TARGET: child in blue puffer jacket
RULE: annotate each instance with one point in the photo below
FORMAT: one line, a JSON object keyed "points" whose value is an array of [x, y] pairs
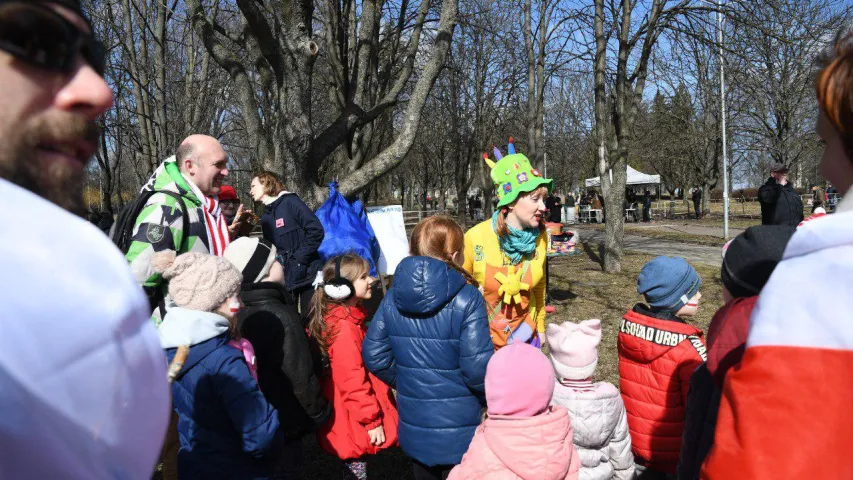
{"points": [[430, 340], [227, 428]]}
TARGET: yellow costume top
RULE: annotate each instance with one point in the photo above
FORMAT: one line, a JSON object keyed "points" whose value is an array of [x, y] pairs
{"points": [[513, 293]]}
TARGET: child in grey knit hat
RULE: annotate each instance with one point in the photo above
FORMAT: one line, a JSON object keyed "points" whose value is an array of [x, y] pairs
{"points": [[216, 397]]}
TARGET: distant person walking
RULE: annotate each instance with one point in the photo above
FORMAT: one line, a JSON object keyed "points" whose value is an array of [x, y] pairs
{"points": [[697, 202], [555, 207], [569, 207], [831, 196], [780, 204], [647, 206], [818, 198]]}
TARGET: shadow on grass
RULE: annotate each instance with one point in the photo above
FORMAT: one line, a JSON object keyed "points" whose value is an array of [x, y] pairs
{"points": [[562, 295], [594, 254]]}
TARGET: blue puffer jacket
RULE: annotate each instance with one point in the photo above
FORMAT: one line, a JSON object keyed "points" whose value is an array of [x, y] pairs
{"points": [[227, 428], [430, 340]]}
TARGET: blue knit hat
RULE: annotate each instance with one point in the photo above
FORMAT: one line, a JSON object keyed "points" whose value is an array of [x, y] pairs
{"points": [[668, 283]]}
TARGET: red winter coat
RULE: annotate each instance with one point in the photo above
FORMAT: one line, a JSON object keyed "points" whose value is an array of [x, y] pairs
{"points": [[656, 359], [361, 401], [727, 337]]}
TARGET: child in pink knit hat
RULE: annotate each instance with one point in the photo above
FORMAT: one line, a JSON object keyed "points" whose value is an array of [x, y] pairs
{"points": [[596, 409], [227, 429], [523, 436]]}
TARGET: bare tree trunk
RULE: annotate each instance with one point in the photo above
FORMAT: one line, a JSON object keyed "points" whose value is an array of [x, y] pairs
{"points": [[599, 69], [536, 53], [627, 93]]}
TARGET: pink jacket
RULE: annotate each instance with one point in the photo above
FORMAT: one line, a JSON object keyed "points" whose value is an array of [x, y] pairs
{"points": [[510, 448]]}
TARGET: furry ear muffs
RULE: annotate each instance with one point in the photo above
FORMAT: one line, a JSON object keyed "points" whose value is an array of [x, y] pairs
{"points": [[339, 292], [337, 288]]}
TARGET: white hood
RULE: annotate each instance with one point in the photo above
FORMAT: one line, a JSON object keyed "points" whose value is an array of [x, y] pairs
{"points": [[83, 390], [190, 327]]}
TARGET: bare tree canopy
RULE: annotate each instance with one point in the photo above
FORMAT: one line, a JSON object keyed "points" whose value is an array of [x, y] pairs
{"points": [[398, 102]]}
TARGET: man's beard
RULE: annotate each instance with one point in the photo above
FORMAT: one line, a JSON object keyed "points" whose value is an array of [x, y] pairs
{"points": [[58, 181]]}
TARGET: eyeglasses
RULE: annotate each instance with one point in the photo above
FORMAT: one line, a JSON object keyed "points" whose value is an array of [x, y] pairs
{"points": [[39, 36]]}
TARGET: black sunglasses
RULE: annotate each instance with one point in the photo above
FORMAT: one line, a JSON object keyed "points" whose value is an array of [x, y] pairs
{"points": [[39, 36]]}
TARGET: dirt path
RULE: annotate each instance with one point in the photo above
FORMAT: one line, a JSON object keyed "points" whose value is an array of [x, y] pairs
{"points": [[656, 246]]}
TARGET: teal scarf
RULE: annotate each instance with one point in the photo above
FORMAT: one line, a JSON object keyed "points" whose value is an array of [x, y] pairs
{"points": [[516, 243]]}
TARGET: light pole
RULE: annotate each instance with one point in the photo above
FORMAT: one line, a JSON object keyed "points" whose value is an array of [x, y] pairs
{"points": [[723, 123], [719, 6]]}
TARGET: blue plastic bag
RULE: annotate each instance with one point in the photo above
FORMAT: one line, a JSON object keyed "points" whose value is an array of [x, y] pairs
{"points": [[358, 208], [346, 230]]}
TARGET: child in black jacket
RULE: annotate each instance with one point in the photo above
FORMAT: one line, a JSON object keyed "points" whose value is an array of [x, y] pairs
{"points": [[285, 364]]}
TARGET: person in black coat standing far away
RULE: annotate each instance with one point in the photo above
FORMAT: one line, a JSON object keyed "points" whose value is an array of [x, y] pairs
{"points": [[780, 204]]}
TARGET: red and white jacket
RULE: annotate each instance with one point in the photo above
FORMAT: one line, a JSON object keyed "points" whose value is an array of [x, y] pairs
{"points": [[787, 410]]}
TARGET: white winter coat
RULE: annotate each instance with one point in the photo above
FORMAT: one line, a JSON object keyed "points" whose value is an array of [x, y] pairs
{"points": [[601, 430]]}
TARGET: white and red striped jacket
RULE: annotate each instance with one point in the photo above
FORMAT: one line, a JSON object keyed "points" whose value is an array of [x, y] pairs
{"points": [[787, 410]]}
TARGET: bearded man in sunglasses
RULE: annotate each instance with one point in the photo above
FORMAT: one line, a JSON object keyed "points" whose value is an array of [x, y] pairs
{"points": [[83, 391]]}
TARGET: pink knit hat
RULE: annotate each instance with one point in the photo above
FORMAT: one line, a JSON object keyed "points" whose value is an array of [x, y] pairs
{"points": [[519, 381], [574, 348]]}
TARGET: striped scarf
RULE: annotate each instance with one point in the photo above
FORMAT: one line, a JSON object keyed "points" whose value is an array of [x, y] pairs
{"points": [[215, 224], [217, 228]]}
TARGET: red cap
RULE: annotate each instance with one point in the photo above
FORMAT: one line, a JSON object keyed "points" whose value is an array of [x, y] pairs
{"points": [[227, 192]]}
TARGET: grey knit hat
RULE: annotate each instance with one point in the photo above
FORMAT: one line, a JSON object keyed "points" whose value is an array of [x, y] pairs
{"points": [[198, 281]]}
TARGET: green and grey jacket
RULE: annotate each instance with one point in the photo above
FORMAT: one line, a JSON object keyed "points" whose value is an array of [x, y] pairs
{"points": [[159, 225]]}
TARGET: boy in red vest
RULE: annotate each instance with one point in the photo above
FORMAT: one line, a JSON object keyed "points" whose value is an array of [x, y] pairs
{"points": [[658, 351]]}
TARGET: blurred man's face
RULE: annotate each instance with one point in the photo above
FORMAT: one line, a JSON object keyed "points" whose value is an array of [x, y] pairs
{"points": [[835, 165], [48, 130], [229, 208]]}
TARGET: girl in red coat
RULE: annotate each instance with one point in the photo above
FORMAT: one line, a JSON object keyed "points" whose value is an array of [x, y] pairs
{"points": [[364, 420]]}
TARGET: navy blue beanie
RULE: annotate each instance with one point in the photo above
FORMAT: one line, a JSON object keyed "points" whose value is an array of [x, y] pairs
{"points": [[668, 283]]}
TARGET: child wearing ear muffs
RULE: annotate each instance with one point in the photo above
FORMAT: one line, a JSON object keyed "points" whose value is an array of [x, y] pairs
{"points": [[364, 420]]}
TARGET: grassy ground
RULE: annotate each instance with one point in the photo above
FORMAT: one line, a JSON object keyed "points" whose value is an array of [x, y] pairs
{"points": [[747, 212], [665, 234], [734, 222]]}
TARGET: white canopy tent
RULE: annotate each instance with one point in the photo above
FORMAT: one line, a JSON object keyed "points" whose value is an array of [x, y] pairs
{"points": [[634, 178]]}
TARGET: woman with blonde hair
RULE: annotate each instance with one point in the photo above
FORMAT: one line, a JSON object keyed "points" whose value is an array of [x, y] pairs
{"points": [[430, 341], [506, 254]]}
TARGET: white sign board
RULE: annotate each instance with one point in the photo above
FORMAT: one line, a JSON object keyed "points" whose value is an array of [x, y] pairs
{"points": [[390, 230]]}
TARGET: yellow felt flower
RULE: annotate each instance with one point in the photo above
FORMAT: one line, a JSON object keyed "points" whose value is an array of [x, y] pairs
{"points": [[511, 285]]}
